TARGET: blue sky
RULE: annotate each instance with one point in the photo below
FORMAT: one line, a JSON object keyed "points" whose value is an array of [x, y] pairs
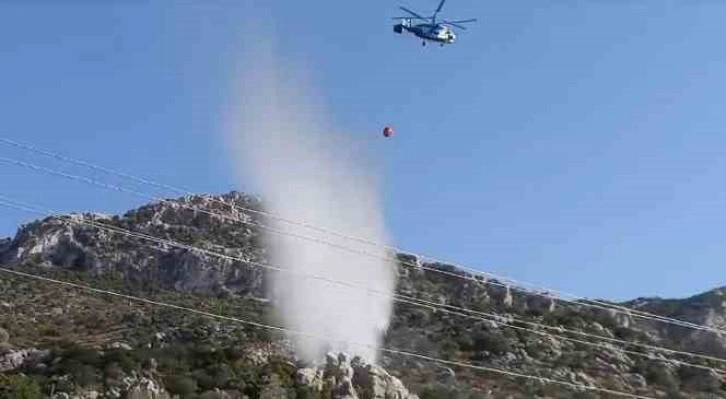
{"points": [[576, 145]]}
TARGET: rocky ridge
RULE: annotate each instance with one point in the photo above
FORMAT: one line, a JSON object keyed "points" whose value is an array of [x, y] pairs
{"points": [[72, 245]]}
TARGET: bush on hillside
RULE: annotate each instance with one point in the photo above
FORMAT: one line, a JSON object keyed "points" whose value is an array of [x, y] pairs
{"points": [[19, 387]]}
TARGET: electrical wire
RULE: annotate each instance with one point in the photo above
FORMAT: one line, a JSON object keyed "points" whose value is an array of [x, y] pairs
{"points": [[594, 304], [317, 337], [476, 315], [548, 292]]}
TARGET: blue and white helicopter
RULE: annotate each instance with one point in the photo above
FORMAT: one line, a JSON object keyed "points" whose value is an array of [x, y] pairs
{"points": [[440, 32]]}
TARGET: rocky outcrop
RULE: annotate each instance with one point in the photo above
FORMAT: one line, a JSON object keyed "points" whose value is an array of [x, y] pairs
{"points": [[74, 243], [375, 380], [353, 379], [141, 388], [132, 387], [16, 359]]}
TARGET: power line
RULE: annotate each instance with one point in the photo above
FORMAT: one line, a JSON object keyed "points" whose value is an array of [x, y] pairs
{"points": [[325, 339], [514, 283], [471, 314], [593, 304]]}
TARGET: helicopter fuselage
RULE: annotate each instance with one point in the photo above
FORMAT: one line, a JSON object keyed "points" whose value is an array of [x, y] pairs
{"points": [[438, 33]]}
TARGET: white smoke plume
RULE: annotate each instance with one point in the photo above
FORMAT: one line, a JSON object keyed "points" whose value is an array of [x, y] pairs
{"points": [[306, 170]]}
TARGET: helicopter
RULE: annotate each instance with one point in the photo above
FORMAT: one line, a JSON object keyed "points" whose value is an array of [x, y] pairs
{"points": [[440, 32]]}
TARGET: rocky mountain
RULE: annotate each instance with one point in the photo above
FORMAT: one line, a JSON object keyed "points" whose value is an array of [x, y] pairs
{"points": [[57, 341]]}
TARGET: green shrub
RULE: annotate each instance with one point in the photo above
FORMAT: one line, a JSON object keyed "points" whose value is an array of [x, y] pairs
{"points": [[441, 391], [309, 393], [19, 387], [656, 374], [212, 377], [465, 341], [121, 358], [699, 379], [180, 385], [491, 342], [82, 356], [212, 395], [274, 389], [448, 346]]}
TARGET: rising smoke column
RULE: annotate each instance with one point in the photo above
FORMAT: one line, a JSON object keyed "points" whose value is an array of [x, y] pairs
{"points": [[307, 171]]}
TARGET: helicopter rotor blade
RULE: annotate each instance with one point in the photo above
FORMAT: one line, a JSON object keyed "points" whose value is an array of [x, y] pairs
{"points": [[456, 23], [433, 17], [410, 18], [412, 13], [462, 21]]}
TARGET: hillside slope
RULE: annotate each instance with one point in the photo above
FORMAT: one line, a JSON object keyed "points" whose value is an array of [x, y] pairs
{"points": [[57, 339]]}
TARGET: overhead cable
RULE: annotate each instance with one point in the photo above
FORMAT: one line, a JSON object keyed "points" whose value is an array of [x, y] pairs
{"points": [[325, 339], [560, 294], [445, 308], [588, 303]]}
